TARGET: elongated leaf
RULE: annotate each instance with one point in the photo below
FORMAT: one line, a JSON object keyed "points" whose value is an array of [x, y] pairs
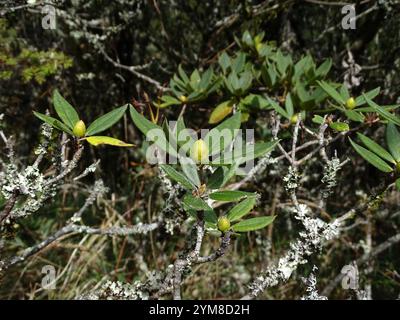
{"points": [[324, 68], [182, 74], [376, 148], [152, 131], [189, 167], [220, 112], [105, 121], [98, 140], [195, 203], [354, 115], [370, 94], [398, 184], [278, 108], [143, 124], [226, 131], [53, 122], [65, 111], [230, 195], [224, 61], [332, 92], [289, 105], [241, 209], [210, 217], [177, 176], [393, 141], [371, 158], [339, 126], [318, 119], [385, 114], [249, 152], [253, 224]]}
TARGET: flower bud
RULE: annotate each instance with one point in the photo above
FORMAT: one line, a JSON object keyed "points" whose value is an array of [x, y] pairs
{"points": [[183, 98], [350, 103], [223, 224], [294, 118], [199, 151], [79, 129]]}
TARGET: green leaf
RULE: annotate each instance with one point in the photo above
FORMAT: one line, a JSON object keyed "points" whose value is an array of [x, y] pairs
{"points": [[53, 122], [177, 176], [106, 121], [230, 195], [385, 114], [210, 217], [331, 91], [168, 101], [370, 94], [398, 184], [376, 148], [249, 152], [371, 158], [98, 140], [253, 224], [318, 119], [354, 115], [324, 68], [143, 124], [227, 130], [289, 105], [217, 178], [195, 203], [221, 112], [393, 141], [278, 108], [224, 61], [152, 131], [65, 111], [189, 167], [339, 126], [344, 92], [241, 209], [182, 74]]}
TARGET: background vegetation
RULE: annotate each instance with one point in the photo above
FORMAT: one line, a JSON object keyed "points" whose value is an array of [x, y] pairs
{"points": [[104, 54]]}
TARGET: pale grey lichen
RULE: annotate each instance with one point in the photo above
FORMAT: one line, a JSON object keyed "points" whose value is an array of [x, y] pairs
{"points": [[291, 180], [330, 176], [310, 240], [116, 290], [311, 287]]}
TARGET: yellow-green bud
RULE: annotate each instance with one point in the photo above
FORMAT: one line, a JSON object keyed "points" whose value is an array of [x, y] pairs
{"points": [[351, 103], [183, 98], [79, 129], [199, 151], [294, 118], [223, 224]]}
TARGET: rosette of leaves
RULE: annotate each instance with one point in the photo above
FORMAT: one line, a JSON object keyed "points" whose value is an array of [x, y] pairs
{"points": [[200, 185], [384, 160], [71, 124], [261, 64], [189, 89], [237, 76], [354, 108]]}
